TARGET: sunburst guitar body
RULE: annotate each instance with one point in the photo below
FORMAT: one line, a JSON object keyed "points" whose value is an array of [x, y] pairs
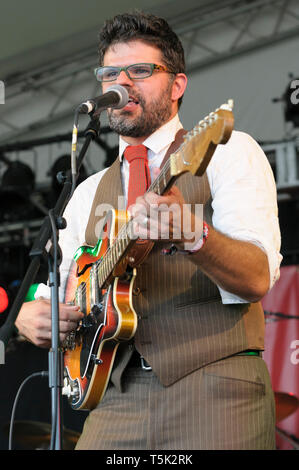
{"points": [[109, 319]]}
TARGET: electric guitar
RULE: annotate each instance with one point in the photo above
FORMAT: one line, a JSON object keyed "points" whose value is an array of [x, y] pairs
{"points": [[102, 278]]}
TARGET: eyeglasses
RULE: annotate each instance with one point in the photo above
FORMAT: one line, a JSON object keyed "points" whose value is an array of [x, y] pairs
{"points": [[134, 71]]}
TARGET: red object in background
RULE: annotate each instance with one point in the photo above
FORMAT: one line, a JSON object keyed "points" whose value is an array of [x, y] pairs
{"points": [[282, 344], [4, 300]]}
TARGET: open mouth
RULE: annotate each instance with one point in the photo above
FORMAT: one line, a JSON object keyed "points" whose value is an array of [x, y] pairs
{"points": [[133, 100]]}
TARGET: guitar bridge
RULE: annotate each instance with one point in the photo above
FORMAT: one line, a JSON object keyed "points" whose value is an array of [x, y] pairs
{"points": [[70, 341], [71, 389]]}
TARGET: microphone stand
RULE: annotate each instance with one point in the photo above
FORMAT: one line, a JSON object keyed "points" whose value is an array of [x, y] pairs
{"points": [[49, 230]]}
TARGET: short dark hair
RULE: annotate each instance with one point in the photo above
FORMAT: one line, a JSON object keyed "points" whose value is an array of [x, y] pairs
{"points": [[148, 28]]}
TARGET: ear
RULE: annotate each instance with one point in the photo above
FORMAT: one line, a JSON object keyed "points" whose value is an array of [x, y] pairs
{"points": [[179, 86]]}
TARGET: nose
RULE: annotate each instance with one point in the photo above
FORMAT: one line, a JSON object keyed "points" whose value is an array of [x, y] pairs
{"points": [[124, 79]]}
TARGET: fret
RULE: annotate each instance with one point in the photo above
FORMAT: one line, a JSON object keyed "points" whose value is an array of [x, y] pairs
{"points": [[117, 248], [164, 179], [155, 186], [116, 251], [158, 187], [105, 266], [108, 264], [127, 238], [122, 244], [113, 255]]}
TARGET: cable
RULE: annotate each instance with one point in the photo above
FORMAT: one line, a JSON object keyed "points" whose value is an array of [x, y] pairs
{"points": [[74, 150], [55, 340], [35, 374]]}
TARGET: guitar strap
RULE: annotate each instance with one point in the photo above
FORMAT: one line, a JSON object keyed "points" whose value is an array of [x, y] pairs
{"points": [[179, 138]]}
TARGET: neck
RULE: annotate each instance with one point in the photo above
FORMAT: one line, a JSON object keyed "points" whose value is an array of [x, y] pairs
{"points": [[140, 140], [134, 140]]}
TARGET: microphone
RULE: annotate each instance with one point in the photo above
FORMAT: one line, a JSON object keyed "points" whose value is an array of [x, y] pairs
{"points": [[115, 97]]}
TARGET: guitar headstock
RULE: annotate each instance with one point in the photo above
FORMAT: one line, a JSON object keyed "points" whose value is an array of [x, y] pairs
{"points": [[200, 143]]}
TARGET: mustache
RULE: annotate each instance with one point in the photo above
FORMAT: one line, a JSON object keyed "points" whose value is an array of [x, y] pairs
{"points": [[134, 95]]}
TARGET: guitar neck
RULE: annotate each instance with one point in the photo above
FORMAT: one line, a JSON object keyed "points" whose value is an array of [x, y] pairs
{"points": [[164, 180]]}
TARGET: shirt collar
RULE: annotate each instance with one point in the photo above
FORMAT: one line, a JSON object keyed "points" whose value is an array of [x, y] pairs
{"points": [[159, 140]]}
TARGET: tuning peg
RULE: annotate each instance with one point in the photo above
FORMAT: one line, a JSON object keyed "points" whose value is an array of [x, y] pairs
{"points": [[209, 120], [187, 136], [228, 106], [202, 124]]}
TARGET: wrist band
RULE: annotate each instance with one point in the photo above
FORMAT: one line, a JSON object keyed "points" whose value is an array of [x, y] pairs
{"points": [[173, 249], [201, 241]]}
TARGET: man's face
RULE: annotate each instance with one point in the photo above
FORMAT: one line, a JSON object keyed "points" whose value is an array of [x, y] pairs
{"points": [[153, 104]]}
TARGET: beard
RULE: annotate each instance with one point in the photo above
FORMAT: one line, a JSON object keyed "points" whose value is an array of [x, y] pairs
{"points": [[154, 114]]}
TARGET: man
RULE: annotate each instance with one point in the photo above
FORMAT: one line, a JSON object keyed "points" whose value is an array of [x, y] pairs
{"points": [[200, 323]]}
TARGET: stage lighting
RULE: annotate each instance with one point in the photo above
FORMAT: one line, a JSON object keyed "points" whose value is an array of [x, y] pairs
{"points": [[8, 293], [4, 300]]}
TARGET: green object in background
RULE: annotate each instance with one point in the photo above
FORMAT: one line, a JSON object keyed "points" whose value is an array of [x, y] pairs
{"points": [[31, 293]]}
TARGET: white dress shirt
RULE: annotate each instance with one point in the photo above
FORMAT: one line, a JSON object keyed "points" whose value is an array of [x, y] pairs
{"points": [[243, 192]]}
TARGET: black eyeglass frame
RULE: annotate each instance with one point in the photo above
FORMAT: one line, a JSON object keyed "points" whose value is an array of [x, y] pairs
{"points": [[153, 67]]}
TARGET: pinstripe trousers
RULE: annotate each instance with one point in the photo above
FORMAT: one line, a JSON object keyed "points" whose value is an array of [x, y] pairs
{"points": [[227, 405]]}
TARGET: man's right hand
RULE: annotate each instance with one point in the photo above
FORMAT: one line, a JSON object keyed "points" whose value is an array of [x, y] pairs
{"points": [[34, 321]]}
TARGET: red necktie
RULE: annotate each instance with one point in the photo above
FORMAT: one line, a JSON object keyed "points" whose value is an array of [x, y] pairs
{"points": [[139, 176]]}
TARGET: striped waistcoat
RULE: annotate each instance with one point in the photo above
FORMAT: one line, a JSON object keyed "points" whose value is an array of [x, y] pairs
{"points": [[182, 323]]}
